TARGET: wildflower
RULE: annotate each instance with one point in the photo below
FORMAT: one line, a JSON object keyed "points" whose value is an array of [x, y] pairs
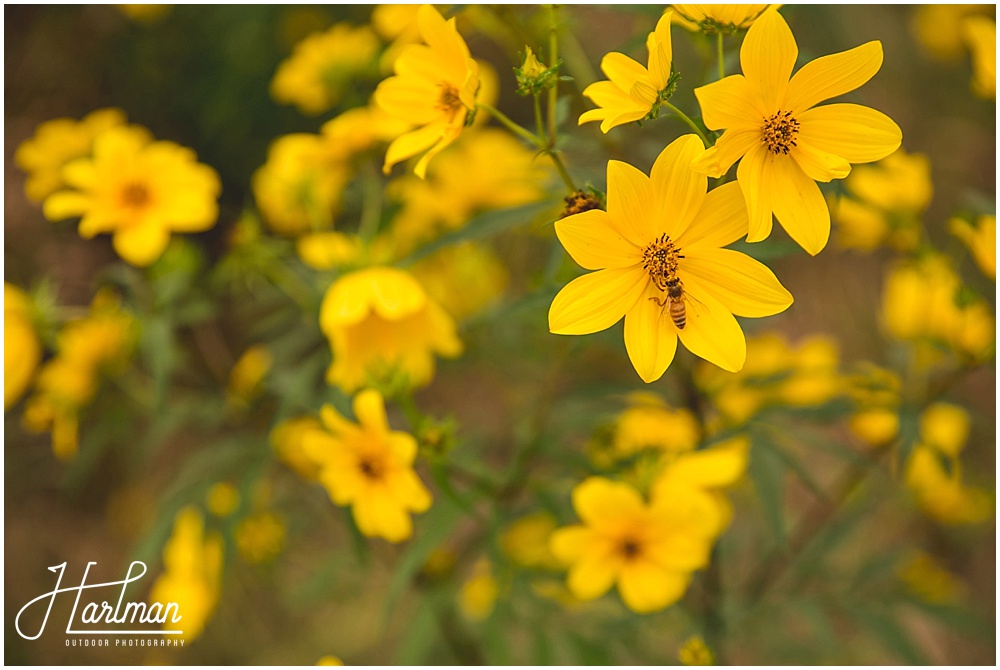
{"points": [[526, 541], [478, 594], [380, 322], [633, 92], [22, 350], [56, 143], [222, 499], [370, 467], [981, 240], [938, 28], [396, 24], [435, 87], [533, 77], [650, 423], [138, 190], [980, 33], [323, 67], [192, 573], [359, 129], [146, 13], [247, 376], [329, 660], [712, 19], [659, 261], [927, 579], [329, 249], [260, 537], [580, 201], [288, 441], [648, 550], [876, 394], [463, 278], [696, 652], [885, 203], [785, 142]]}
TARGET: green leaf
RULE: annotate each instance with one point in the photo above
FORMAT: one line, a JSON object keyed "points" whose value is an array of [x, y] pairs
{"points": [[884, 627], [421, 635], [767, 470], [160, 352], [589, 652]]}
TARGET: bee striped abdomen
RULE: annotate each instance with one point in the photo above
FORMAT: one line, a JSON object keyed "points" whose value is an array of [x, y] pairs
{"points": [[678, 314]]}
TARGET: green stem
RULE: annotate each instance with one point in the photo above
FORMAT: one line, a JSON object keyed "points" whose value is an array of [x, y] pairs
{"points": [[539, 124], [515, 128], [722, 65], [562, 170], [553, 59], [687, 119], [371, 203]]}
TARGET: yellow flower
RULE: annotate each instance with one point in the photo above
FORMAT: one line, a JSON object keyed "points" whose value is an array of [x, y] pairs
{"points": [[192, 563], [945, 427], [259, 538], [329, 249], [398, 24], [22, 350], [146, 13], [298, 189], [786, 143], [981, 240], [696, 652], [650, 423], [877, 426], [288, 441], [926, 578], [435, 87], [726, 19], [359, 129], [138, 190], [369, 467], [659, 264], [381, 323], [633, 92], [463, 278], [938, 27], [980, 33], [247, 375], [329, 660], [648, 550], [526, 540], [478, 594], [55, 144], [887, 201], [323, 67], [941, 493], [223, 499]]}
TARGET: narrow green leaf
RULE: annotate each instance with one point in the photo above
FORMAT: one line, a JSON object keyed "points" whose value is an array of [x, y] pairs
{"points": [[767, 471]]}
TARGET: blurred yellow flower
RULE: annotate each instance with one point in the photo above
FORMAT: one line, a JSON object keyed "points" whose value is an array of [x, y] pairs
{"points": [[941, 493], [56, 143], [938, 27], [288, 441], [323, 67], [247, 376], [981, 239], [192, 573], [648, 550], [101, 342], [22, 350], [329, 249], [463, 278], [435, 87], [138, 190], [886, 202], [526, 541], [980, 33], [260, 537], [926, 578], [478, 594], [711, 19], [650, 423], [695, 652], [786, 143], [877, 427], [145, 13], [359, 129], [381, 324], [299, 188], [633, 92], [396, 24], [222, 499], [329, 660], [659, 261], [945, 427], [370, 467]]}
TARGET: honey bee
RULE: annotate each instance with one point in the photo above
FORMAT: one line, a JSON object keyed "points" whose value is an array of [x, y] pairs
{"points": [[675, 301]]}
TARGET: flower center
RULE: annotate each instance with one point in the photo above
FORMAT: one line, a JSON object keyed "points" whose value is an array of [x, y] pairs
{"points": [[448, 102], [660, 260], [779, 132], [371, 468], [629, 548], [135, 195]]}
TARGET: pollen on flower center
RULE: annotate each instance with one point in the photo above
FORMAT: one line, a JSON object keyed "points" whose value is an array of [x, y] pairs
{"points": [[135, 195], [660, 260], [449, 100], [371, 468], [779, 132]]}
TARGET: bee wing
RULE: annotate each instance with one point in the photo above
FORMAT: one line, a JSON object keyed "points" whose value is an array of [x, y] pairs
{"points": [[694, 306]]}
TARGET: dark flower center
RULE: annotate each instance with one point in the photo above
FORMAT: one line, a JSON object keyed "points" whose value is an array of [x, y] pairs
{"points": [[449, 101], [780, 132], [135, 195], [371, 468], [660, 260], [629, 548]]}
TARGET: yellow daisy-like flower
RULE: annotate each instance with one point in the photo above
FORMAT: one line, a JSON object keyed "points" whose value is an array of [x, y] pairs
{"points": [[138, 190], [22, 350], [370, 467], [786, 143], [633, 92], [726, 19], [648, 550], [696, 652], [56, 143], [435, 87], [659, 264], [382, 324], [322, 67]]}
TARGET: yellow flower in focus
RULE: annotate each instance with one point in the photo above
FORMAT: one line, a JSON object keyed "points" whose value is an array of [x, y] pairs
{"points": [[192, 573], [981, 240], [139, 190], [648, 550], [323, 67], [299, 188], [435, 87], [288, 441], [56, 143], [526, 541], [786, 143], [659, 263], [695, 652], [463, 278], [247, 376], [980, 33], [938, 27], [381, 324], [886, 202], [926, 578], [223, 499], [478, 594], [22, 350], [650, 423], [260, 538], [725, 19], [370, 467], [633, 92]]}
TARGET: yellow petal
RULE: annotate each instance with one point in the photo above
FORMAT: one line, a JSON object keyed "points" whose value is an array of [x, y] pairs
{"points": [[799, 206], [712, 333], [65, 205], [650, 336], [334, 420], [412, 143], [678, 189], [596, 301], [746, 287], [945, 427], [818, 164], [570, 543], [414, 99], [720, 465], [722, 220], [600, 502], [592, 241], [833, 75], [646, 587], [755, 175], [369, 408], [620, 119], [439, 34], [141, 244], [768, 55], [631, 203], [622, 70], [731, 103], [403, 447], [592, 577], [859, 134], [410, 492], [660, 51], [449, 134]]}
